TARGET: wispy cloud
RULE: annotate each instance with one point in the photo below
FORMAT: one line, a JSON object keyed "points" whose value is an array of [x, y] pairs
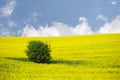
{"points": [[114, 2], [4, 32], [58, 29], [32, 18], [11, 23], [102, 17], [7, 10]]}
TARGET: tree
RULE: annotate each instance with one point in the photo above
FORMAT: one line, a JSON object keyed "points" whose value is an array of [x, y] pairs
{"points": [[38, 51]]}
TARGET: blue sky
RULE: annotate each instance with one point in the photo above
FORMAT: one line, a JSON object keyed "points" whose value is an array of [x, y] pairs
{"points": [[58, 17]]}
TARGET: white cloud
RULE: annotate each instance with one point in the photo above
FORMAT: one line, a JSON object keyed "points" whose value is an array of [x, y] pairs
{"points": [[30, 31], [48, 31], [111, 27], [83, 20], [102, 17], [114, 2], [8, 8], [11, 23], [83, 27], [58, 29]]}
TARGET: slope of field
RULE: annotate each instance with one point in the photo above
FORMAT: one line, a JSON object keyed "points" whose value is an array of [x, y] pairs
{"points": [[92, 57]]}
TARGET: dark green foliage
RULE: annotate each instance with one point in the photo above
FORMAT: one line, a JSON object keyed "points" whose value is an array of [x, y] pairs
{"points": [[38, 51]]}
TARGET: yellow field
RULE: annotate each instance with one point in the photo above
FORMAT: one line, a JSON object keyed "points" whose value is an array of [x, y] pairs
{"points": [[92, 57]]}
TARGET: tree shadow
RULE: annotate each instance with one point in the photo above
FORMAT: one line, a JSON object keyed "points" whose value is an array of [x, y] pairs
{"points": [[67, 62], [17, 59], [71, 62]]}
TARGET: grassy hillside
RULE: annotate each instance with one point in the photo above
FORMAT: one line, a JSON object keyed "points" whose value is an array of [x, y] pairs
{"points": [[92, 57]]}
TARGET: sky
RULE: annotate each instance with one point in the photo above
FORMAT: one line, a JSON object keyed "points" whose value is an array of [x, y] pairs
{"points": [[59, 17]]}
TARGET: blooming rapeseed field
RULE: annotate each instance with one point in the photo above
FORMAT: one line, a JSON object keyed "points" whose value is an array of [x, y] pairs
{"points": [[91, 57]]}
